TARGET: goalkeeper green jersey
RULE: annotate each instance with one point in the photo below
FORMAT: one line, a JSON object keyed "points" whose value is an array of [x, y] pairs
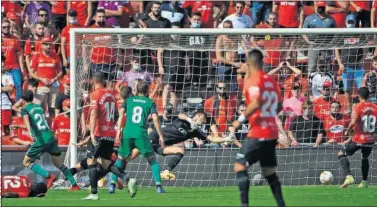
{"points": [[138, 109], [38, 124]]}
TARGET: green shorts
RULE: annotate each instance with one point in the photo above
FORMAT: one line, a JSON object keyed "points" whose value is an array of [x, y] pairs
{"points": [[37, 149], [143, 145]]}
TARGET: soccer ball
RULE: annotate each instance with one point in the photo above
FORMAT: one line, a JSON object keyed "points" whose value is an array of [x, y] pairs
{"points": [[326, 177]]}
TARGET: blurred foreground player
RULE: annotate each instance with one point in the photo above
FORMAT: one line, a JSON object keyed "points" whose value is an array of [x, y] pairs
{"points": [[263, 104], [44, 141], [20, 187], [363, 123]]}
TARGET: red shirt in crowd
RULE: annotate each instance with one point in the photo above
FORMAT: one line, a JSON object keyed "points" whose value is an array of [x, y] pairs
{"points": [[364, 5], [101, 54], [103, 100], [262, 121], [365, 114], [65, 33], [46, 66], [205, 8], [335, 128], [288, 13], [19, 130], [223, 111], [339, 17], [12, 7], [61, 127], [272, 44], [82, 10], [15, 184], [35, 47], [375, 7], [322, 107], [10, 45], [60, 7]]}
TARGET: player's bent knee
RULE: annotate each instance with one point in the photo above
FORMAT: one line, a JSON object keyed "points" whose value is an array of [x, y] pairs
{"points": [[151, 158], [238, 167], [267, 171], [27, 161]]}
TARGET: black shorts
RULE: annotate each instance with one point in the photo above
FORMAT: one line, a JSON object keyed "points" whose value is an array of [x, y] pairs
{"points": [[154, 138], [104, 148], [254, 150], [351, 147]]}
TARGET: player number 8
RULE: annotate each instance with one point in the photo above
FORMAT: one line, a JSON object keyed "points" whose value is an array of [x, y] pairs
{"points": [[270, 99], [369, 123], [136, 114]]}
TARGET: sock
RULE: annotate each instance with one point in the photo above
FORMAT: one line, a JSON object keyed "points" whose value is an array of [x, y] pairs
{"points": [[73, 171], [174, 161], [155, 171], [275, 185], [345, 164], [37, 169], [365, 168], [93, 178], [118, 172], [119, 164], [243, 186], [68, 175]]}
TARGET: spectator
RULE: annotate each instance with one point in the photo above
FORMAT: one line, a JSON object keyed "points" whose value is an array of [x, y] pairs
{"points": [[288, 11], [14, 63], [338, 11], [13, 11], [336, 124], [7, 86], [322, 75], [350, 59], [260, 11], [19, 133], [47, 69], [306, 128], [61, 125], [103, 57], [318, 20], [292, 107], [370, 81], [137, 72], [373, 16], [172, 12], [242, 132], [210, 19], [361, 9], [322, 104], [221, 108], [286, 75], [84, 10], [198, 57], [239, 19], [32, 86], [15, 25], [155, 20], [59, 108], [59, 12], [113, 10], [65, 37], [31, 13], [50, 30], [155, 93]]}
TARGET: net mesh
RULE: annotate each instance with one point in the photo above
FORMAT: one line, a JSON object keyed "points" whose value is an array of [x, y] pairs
{"points": [[192, 64]]}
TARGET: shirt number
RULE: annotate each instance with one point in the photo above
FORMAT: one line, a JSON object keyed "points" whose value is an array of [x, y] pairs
{"points": [[11, 182], [110, 110], [270, 103], [369, 123], [136, 114], [41, 122]]}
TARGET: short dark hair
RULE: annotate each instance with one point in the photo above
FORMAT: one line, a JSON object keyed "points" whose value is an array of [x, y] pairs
{"points": [[99, 77], [178, 24], [228, 22], [43, 9], [125, 92], [200, 112], [156, 2], [337, 102], [364, 93], [39, 23], [38, 189], [27, 96], [142, 87], [240, 2], [256, 57], [32, 82], [100, 11], [196, 14]]}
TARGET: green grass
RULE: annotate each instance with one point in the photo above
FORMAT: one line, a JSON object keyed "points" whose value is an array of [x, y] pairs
{"points": [[221, 196]]}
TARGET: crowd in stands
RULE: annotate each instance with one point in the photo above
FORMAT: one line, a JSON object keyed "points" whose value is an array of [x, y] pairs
{"points": [[318, 86]]}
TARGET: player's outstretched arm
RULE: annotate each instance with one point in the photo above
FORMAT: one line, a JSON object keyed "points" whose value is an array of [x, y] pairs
{"points": [[83, 142]]}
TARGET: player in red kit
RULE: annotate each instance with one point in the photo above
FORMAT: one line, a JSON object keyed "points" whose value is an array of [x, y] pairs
{"points": [[61, 125], [102, 132], [263, 104], [363, 123], [20, 187]]}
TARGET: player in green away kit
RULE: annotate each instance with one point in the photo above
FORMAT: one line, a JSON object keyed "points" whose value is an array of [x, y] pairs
{"points": [[135, 135], [44, 141]]}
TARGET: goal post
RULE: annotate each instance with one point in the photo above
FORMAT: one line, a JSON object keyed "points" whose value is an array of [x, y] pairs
{"points": [[321, 39]]}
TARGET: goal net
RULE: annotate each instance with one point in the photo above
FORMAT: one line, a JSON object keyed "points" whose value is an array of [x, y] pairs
{"points": [[192, 64]]}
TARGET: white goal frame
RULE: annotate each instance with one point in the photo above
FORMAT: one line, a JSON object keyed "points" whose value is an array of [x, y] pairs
{"points": [[128, 31]]}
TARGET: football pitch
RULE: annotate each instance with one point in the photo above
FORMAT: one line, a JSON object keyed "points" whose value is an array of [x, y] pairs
{"points": [[219, 196]]}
